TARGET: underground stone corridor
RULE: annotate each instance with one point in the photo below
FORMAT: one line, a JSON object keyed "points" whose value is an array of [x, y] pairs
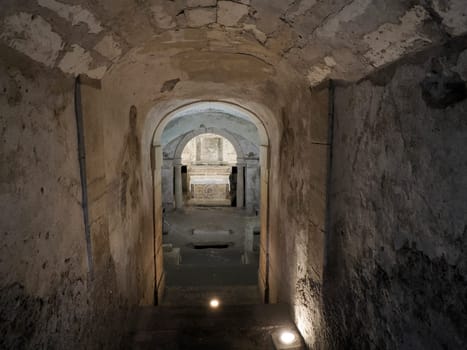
{"points": [[245, 174]]}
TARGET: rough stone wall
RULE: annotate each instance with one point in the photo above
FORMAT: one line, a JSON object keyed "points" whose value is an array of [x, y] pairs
{"points": [[46, 299], [396, 262], [303, 162]]}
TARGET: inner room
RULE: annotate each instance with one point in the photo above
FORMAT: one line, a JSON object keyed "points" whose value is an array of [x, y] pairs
{"points": [[211, 203]]}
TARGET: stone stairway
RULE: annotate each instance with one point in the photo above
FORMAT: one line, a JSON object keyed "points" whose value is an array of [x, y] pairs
{"points": [[200, 295], [207, 275], [229, 327]]}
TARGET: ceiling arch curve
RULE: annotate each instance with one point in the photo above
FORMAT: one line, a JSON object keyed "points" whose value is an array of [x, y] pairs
{"points": [[189, 136], [210, 106]]}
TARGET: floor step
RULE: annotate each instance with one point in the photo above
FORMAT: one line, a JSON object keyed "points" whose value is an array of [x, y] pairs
{"points": [[200, 296], [196, 327], [207, 275], [230, 316], [194, 339]]}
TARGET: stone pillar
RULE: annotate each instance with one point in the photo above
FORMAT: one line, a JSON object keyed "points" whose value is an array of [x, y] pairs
{"points": [[250, 224], [251, 185], [240, 186], [167, 171], [198, 149], [178, 186], [220, 150]]}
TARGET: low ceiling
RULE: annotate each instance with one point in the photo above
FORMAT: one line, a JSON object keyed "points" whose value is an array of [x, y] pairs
{"points": [[341, 39]]}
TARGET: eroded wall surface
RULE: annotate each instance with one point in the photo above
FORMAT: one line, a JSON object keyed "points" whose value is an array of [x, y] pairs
{"points": [[320, 39], [396, 267], [301, 220], [121, 230], [46, 298]]}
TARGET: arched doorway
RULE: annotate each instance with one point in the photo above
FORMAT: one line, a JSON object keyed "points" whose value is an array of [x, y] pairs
{"points": [[157, 164], [232, 161]]}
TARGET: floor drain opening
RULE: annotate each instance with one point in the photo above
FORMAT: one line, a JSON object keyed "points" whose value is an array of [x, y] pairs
{"points": [[211, 245]]}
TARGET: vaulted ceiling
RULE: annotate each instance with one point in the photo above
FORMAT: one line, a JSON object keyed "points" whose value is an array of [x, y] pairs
{"points": [[341, 39]]}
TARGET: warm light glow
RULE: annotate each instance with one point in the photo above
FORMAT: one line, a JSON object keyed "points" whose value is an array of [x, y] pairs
{"points": [[214, 303], [287, 337]]}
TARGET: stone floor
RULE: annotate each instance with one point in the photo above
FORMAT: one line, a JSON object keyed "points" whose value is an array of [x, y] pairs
{"points": [[241, 327], [210, 241], [201, 295], [208, 202], [180, 224]]}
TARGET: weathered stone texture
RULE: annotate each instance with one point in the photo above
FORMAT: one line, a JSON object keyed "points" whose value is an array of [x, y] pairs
{"points": [[229, 13], [396, 263], [199, 17], [108, 48], [76, 14], [46, 298], [303, 165], [361, 34], [33, 36], [201, 3]]}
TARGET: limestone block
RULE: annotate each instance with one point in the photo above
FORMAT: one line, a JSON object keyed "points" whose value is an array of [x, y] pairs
{"points": [[75, 61], [330, 61], [391, 41], [453, 14], [332, 25], [318, 73], [96, 73], [259, 35], [32, 36], [108, 48], [210, 191], [76, 14], [300, 9], [79, 61], [199, 17], [201, 3], [162, 18], [230, 13]]}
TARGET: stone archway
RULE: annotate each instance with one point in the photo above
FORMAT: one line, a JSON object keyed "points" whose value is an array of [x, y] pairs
{"points": [[183, 142], [240, 163], [156, 163]]}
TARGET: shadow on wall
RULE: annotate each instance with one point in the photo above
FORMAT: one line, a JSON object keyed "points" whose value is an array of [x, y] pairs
{"points": [[130, 160], [65, 317], [396, 271]]}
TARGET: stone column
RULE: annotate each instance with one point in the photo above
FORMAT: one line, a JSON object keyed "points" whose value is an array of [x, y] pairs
{"points": [[220, 150], [240, 186], [250, 224], [178, 186], [251, 185], [167, 171]]}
